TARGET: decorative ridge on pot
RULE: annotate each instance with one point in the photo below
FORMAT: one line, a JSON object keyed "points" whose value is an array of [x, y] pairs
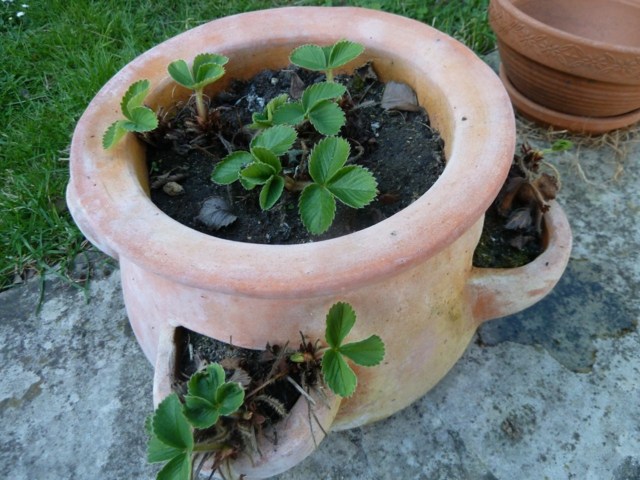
{"points": [[108, 189], [599, 59]]}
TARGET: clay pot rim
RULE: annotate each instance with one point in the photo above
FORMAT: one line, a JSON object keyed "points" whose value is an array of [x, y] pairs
{"points": [[534, 24], [474, 105]]}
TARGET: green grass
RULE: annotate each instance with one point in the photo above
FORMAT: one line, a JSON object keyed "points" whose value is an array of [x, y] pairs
{"points": [[59, 54]]}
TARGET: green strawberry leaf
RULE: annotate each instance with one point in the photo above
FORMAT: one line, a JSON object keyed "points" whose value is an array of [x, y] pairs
{"points": [[289, 113], [311, 57], [229, 398], [206, 382], [327, 117], [327, 158], [159, 452], [206, 74], [278, 139], [271, 192], [113, 134], [343, 52], [200, 412], [179, 71], [170, 425], [257, 173], [319, 92], [205, 58], [264, 119], [317, 207], [340, 320], [228, 170], [354, 186], [177, 469], [339, 376], [368, 352], [264, 155], [143, 119], [134, 97]]}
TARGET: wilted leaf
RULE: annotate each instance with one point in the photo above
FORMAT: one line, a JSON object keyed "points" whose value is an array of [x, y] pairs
{"points": [[399, 96], [297, 87], [366, 72], [547, 185], [519, 219], [521, 241], [215, 213]]}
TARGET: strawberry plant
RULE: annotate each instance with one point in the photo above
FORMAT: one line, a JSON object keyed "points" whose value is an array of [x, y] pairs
{"points": [[138, 118]]}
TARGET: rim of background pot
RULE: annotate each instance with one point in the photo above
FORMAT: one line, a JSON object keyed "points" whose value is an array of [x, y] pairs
{"points": [[565, 51], [107, 193]]}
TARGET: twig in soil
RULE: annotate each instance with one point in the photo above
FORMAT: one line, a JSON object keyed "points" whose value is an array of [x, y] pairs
{"points": [[301, 390], [359, 148], [162, 180], [227, 145]]}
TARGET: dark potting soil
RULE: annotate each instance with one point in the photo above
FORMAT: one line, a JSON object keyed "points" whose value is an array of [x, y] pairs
{"points": [[500, 247], [399, 147]]}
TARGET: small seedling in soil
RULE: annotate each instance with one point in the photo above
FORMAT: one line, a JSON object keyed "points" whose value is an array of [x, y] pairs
{"points": [[326, 59], [138, 118], [206, 69], [264, 119], [331, 179], [213, 418], [317, 107]]}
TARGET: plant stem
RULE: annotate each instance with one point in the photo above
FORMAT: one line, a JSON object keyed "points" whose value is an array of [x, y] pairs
{"points": [[208, 447], [330, 75], [294, 185], [200, 106]]}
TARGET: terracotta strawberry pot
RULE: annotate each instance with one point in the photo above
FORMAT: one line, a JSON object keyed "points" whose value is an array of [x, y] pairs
{"points": [[573, 64], [409, 277]]}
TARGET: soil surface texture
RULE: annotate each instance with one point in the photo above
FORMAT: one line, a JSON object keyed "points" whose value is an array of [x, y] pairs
{"points": [[399, 147]]}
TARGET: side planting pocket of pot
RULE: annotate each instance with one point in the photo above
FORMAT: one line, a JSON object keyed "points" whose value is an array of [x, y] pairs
{"points": [[498, 292], [279, 447]]}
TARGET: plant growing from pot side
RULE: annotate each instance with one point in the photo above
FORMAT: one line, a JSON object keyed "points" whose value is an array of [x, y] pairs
{"points": [[185, 427]]}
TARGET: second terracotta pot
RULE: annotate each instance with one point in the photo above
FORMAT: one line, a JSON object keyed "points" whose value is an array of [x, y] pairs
{"points": [[573, 64]]}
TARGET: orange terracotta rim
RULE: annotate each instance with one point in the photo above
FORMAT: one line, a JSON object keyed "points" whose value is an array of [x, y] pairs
{"points": [[564, 121], [466, 102]]}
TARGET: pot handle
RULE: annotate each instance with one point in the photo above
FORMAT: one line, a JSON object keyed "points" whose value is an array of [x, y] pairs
{"points": [[281, 446], [498, 292]]}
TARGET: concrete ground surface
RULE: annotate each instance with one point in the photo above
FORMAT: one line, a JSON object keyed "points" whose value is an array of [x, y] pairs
{"points": [[550, 393]]}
